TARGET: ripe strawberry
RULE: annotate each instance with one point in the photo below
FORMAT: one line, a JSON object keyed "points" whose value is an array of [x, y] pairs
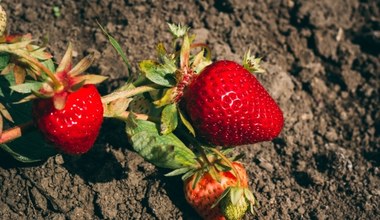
{"points": [[208, 190], [228, 106], [74, 128]]}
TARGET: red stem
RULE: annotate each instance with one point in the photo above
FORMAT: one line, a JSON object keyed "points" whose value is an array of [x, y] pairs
{"points": [[15, 132]]}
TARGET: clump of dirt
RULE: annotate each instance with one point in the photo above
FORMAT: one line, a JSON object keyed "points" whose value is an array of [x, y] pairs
{"points": [[323, 64]]}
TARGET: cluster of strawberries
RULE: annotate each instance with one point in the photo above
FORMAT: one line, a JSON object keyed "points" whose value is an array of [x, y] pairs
{"points": [[184, 112]]}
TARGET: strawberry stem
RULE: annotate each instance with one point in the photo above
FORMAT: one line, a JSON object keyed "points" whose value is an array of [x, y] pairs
{"points": [[144, 117], [128, 93], [205, 46], [15, 132], [229, 163], [197, 145]]}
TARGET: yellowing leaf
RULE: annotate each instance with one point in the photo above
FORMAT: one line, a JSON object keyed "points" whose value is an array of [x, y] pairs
{"points": [[169, 119]]}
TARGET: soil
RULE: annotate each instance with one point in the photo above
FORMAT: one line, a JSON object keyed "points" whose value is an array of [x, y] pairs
{"points": [[323, 66]]}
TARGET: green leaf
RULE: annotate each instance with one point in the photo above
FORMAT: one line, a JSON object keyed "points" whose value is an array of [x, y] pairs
{"points": [[224, 194], [188, 174], [26, 87], [160, 74], [197, 178], [4, 60], [167, 98], [41, 54], [186, 122], [49, 64], [117, 46], [166, 151], [179, 171], [214, 174], [169, 119], [222, 167]]}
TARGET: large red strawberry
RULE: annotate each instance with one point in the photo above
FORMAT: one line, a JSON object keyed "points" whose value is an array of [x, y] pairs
{"points": [[228, 106], [74, 128], [208, 190]]}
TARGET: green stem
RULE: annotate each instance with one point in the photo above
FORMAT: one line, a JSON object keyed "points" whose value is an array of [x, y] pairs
{"points": [[197, 145], [123, 116], [128, 93], [229, 163]]}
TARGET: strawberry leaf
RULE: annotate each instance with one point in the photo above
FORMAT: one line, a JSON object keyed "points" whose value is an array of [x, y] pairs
{"points": [[4, 112], [166, 151], [188, 174], [159, 74], [26, 87], [178, 171], [186, 122], [167, 98], [49, 64], [4, 60], [20, 74], [169, 119], [224, 194], [117, 107], [41, 54]]}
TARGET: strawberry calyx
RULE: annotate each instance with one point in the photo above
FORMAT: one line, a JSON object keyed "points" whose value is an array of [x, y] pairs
{"points": [[64, 80], [235, 201], [252, 63]]}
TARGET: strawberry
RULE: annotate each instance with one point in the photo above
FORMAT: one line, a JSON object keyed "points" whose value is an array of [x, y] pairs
{"points": [[67, 108], [207, 191], [74, 128], [228, 106]]}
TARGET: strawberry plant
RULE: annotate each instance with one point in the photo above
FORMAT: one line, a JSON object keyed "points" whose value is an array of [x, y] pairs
{"points": [[66, 107], [182, 113]]}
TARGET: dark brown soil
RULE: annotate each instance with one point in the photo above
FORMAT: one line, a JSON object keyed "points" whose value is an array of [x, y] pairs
{"points": [[323, 64]]}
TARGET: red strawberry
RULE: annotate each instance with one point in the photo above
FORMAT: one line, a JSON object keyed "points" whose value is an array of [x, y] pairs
{"points": [[74, 128], [228, 106], [208, 190]]}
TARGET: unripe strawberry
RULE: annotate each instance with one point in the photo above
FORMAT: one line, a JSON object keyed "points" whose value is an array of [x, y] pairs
{"points": [[207, 191], [235, 202]]}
